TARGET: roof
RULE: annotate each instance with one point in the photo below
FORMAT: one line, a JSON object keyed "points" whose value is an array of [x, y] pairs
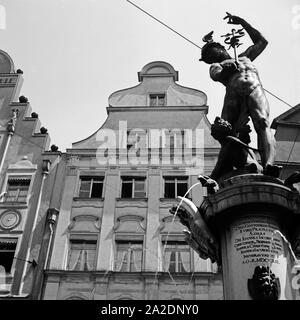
{"points": [[157, 77], [290, 117], [158, 69], [182, 108]]}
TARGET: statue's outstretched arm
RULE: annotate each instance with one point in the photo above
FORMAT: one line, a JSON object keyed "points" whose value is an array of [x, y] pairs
{"points": [[259, 42]]}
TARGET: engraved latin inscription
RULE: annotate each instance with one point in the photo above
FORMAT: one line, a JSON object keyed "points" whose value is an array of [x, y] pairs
{"points": [[255, 241]]}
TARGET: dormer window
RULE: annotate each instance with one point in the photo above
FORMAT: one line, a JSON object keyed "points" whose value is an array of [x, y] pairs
{"points": [[157, 100]]}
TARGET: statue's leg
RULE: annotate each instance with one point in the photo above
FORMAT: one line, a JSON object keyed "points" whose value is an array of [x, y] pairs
{"points": [[259, 112], [231, 108], [224, 163], [230, 113]]}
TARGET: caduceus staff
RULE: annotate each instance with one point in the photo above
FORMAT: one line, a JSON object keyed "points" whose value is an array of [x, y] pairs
{"points": [[233, 38]]}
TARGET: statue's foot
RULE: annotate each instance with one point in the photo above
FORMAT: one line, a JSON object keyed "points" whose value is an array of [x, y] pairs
{"points": [[272, 170]]}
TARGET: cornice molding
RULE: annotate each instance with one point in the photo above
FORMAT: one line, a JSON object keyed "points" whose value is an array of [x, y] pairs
{"points": [[160, 109]]}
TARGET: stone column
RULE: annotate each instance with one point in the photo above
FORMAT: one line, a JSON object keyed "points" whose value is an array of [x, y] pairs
{"points": [[152, 237], [101, 287], [201, 288], [51, 287], [151, 287], [253, 215], [105, 252], [60, 245]]}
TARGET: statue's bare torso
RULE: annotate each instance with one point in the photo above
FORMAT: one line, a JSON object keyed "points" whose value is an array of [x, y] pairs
{"points": [[246, 78], [243, 80]]}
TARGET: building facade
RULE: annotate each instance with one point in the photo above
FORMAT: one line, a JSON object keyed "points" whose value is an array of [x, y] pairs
{"points": [[115, 237], [93, 222], [287, 136], [26, 181]]}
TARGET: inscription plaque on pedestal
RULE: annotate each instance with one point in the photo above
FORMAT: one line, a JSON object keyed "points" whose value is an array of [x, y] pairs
{"points": [[254, 243]]}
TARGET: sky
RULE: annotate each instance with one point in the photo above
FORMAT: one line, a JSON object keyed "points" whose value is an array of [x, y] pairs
{"points": [[75, 53]]}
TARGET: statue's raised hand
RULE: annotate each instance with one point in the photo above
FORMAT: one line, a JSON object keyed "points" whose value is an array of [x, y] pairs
{"points": [[233, 19]]}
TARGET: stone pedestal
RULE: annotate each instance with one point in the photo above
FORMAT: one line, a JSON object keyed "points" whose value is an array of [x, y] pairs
{"points": [[251, 215]]}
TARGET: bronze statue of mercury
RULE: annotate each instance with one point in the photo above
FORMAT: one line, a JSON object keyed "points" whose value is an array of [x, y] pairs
{"points": [[245, 96]]}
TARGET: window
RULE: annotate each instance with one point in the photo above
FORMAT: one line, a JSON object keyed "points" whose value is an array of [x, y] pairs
{"points": [[137, 138], [174, 138], [91, 187], [133, 187], [175, 186], [17, 190], [82, 255], [177, 257], [7, 253], [157, 100], [129, 256]]}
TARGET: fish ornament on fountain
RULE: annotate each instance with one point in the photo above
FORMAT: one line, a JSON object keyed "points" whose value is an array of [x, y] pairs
{"points": [[198, 235]]}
